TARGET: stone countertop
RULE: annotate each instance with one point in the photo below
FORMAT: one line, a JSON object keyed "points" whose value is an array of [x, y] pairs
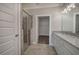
{"points": [[72, 38]]}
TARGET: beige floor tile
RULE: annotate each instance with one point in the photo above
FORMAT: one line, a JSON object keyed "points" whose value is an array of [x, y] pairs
{"points": [[40, 49]]}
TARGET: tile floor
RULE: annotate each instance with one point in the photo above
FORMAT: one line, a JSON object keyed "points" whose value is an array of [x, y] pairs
{"points": [[40, 49]]}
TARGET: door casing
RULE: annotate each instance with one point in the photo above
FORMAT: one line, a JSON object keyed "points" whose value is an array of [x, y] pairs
{"points": [[37, 16]]}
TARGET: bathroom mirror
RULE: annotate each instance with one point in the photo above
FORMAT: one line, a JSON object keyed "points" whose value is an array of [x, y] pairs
{"points": [[70, 20], [76, 23], [67, 22]]}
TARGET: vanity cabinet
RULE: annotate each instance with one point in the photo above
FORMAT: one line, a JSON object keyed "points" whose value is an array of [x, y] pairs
{"points": [[64, 47]]}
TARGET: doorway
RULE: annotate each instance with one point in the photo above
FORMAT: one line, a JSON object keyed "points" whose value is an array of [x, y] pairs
{"points": [[26, 24], [43, 29]]}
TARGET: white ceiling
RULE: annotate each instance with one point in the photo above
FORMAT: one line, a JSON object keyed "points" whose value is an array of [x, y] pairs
{"points": [[43, 8], [40, 5]]}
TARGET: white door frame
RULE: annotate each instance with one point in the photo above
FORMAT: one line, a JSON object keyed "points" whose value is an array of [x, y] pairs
{"points": [[19, 26], [74, 22], [49, 27]]}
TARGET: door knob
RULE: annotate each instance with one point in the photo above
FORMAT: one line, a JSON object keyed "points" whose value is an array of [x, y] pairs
{"points": [[16, 35]]}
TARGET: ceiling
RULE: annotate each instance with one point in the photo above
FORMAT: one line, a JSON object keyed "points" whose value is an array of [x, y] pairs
{"points": [[40, 5], [43, 8]]}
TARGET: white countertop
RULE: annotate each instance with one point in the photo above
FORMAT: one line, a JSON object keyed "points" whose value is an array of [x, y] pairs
{"points": [[72, 39]]}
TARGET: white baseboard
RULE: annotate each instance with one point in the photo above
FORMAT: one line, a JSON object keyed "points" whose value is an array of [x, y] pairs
{"points": [[34, 43], [50, 44]]}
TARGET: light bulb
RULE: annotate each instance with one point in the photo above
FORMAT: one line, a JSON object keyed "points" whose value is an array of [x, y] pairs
{"points": [[69, 9], [73, 6], [65, 10]]}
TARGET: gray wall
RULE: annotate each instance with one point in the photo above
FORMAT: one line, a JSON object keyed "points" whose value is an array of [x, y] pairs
{"points": [[44, 26]]}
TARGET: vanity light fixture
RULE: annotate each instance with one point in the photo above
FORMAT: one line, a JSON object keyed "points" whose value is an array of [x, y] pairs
{"points": [[69, 8]]}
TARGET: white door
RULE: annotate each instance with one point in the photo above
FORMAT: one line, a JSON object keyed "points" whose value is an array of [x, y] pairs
{"points": [[8, 29]]}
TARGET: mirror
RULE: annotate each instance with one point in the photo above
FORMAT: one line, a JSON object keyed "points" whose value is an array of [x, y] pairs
{"points": [[76, 23], [67, 22], [70, 21]]}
